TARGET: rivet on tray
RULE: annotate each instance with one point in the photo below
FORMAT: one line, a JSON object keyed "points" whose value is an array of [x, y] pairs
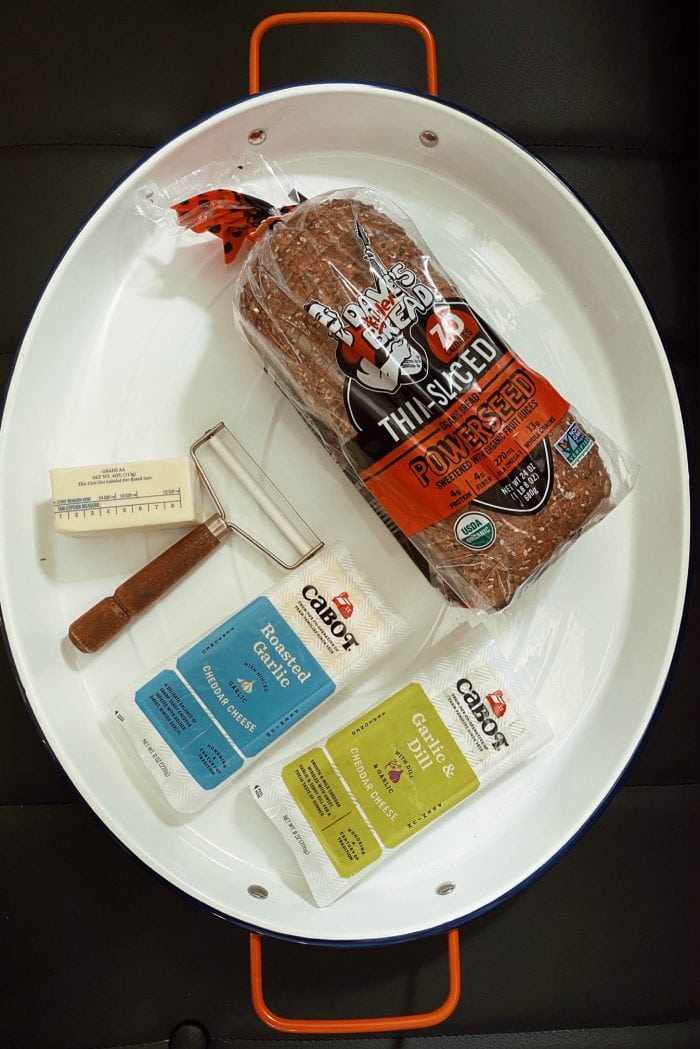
{"points": [[258, 891], [429, 138], [257, 136], [444, 889]]}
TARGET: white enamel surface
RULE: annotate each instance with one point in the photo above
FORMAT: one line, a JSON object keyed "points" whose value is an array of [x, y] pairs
{"points": [[132, 353]]}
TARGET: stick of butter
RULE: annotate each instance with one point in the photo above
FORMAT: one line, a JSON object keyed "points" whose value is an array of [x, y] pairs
{"points": [[155, 494]]}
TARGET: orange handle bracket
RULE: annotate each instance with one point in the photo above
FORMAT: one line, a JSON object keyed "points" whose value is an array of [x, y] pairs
{"points": [[361, 1025], [364, 17]]}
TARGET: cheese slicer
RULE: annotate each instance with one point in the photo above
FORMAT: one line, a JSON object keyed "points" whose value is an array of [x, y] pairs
{"points": [[101, 623]]}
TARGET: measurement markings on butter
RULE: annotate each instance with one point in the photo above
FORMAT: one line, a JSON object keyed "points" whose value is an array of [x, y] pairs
{"points": [[170, 499]]}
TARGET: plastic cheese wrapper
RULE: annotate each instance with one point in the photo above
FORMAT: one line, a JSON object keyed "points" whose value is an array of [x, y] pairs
{"points": [[201, 717], [347, 804]]}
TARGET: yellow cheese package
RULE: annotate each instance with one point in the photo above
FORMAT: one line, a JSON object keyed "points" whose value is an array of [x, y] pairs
{"points": [[348, 803]]}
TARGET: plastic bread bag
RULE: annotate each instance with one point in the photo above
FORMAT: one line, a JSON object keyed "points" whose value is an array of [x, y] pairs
{"points": [[199, 719], [350, 802], [230, 214], [463, 450]]}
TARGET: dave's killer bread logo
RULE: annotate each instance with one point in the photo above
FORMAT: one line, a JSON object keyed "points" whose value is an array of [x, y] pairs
{"points": [[445, 415]]}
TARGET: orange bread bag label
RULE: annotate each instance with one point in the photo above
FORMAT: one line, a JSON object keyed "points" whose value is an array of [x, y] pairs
{"points": [[472, 446], [445, 414]]}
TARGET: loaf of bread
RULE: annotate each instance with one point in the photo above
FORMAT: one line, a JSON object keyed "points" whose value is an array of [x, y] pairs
{"points": [[300, 298]]}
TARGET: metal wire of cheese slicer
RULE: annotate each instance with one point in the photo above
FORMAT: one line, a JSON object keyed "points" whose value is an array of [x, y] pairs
{"points": [[296, 541]]}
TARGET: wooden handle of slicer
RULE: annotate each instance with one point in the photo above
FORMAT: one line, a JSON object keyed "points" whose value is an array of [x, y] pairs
{"points": [[104, 620]]}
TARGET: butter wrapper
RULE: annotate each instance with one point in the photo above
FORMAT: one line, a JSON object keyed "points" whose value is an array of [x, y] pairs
{"points": [[157, 493]]}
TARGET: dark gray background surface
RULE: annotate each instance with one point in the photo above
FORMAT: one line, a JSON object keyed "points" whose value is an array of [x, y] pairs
{"points": [[602, 950]]}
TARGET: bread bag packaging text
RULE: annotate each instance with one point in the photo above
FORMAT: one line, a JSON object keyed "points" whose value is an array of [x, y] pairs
{"points": [[348, 803], [200, 718], [473, 459]]}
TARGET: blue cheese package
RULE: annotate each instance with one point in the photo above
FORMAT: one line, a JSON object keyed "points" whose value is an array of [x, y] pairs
{"points": [[201, 717]]}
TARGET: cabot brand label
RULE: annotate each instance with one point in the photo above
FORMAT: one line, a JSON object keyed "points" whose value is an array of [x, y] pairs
{"points": [[252, 677], [391, 772], [354, 798], [204, 714], [249, 680], [255, 675], [445, 414], [402, 765]]}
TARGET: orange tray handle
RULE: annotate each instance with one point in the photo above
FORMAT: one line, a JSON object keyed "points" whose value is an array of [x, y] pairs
{"points": [[365, 17], [292, 1025]]}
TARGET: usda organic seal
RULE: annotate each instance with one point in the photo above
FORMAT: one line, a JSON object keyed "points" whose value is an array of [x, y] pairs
{"points": [[475, 531]]}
